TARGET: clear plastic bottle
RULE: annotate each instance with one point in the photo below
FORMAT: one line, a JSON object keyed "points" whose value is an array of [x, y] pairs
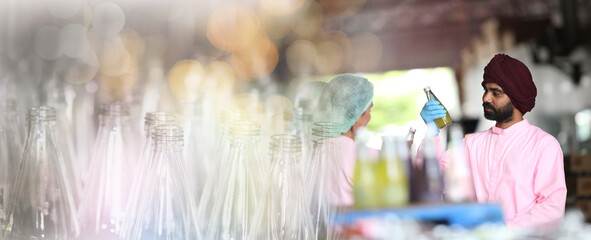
{"points": [[165, 207], [239, 186], [283, 211], [10, 153], [459, 182], [42, 205], [111, 174], [392, 176], [441, 122], [365, 177]]}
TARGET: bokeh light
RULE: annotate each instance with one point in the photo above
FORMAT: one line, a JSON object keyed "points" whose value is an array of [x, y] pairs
{"points": [[108, 19], [220, 77], [276, 27], [80, 70], [134, 44], [366, 52], [309, 21], [330, 57], [73, 40], [282, 7], [256, 61], [184, 79], [115, 60], [232, 27], [63, 9], [301, 57]]}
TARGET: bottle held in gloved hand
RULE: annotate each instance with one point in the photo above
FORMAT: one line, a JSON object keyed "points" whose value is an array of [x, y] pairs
{"points": [[440, 122]]}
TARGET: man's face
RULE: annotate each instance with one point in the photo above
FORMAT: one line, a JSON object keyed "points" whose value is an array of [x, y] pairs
{"points": [[497, 105]]}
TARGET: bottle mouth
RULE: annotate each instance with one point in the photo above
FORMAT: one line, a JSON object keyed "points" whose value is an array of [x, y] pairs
{"points": [[168, 133], [41, 113], [159, 118], [114, 109], [229, 116], [245, 128], [326, 129], [286, 143]]}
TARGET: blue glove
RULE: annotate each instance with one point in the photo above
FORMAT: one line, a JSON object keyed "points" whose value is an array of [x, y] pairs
{"points": [[431, 111]]}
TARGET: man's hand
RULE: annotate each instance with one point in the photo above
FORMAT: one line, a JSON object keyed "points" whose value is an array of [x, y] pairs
{"points": [[431, 111]]}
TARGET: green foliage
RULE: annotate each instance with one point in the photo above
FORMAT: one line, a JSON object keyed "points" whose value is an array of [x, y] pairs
{"points": [[397, 110]]}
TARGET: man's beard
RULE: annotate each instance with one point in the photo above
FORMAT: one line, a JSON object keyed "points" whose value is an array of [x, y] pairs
{"points": [[503, 114]]}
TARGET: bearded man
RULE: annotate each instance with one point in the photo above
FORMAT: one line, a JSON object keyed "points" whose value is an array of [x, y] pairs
{"points": [[513, 163]]}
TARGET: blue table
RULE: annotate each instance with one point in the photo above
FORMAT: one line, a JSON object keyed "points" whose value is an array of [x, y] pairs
{"points": [[467, 215]]}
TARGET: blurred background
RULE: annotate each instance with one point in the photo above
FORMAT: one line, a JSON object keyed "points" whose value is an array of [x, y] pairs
{"points": [[202, 56]]}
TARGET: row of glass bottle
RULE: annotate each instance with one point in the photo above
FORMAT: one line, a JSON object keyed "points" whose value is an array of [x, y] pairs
{"points": [[124, 195], [229, 198]]}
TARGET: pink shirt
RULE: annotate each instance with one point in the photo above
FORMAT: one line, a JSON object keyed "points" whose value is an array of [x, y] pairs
{"points": [[521, 168], [342, 159]]}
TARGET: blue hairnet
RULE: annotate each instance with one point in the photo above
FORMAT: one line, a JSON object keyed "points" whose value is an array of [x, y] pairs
{"points": [[345, 98], [308, 95]]}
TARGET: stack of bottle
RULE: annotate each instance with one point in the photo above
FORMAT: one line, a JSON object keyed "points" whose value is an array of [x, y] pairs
{"points": [[136, 186]]}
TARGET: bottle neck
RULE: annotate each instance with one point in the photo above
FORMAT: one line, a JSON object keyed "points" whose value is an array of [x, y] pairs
{"points": [[324, 130], [113, 114], [285, 148], [154, 119], [244, 131], [41, 118], [167, 137]]}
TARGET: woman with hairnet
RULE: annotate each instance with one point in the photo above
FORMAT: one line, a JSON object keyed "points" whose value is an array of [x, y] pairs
{"points": [[346, 100]]}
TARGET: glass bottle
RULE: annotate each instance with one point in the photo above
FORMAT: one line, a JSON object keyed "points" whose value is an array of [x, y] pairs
{"points": [[165, 207], [42, 205], [459, 182], [441, 122], [151, 120], [111, 174], [410, 137], [403, 154], [60, 97], [283, 209], [318, 185], [221, 153], [429, 177], [365, 177], [10, 151], [392, 177], [239, 186]]}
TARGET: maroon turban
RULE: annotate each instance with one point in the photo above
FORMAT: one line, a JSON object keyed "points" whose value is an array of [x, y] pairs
{"points": [[515, 80]]}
